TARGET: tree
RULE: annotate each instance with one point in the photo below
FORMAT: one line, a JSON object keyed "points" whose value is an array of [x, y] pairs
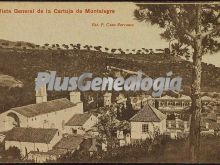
{"points": [[65, 46], [113, 50], [30, 45], [18, 44], [193, 25], [151, 51], [53, 45], [46, 44], [5, 43], [98, 48], [72, 46], [107, 126], [138, 52], [167, 51], [87, 47], [78, 46], [106, 49], [90, 47], [13, 152]]}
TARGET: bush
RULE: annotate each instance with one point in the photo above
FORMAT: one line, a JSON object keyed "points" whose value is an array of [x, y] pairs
{"points": [[13, 152]]}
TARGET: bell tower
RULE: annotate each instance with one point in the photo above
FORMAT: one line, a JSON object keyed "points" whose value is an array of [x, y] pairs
{"points": [[75, 97], [107, 99], [41, 94]]}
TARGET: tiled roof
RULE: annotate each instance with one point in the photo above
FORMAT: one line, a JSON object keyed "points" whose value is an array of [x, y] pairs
{"points": [[89, 144], [37, 135], [3, 132], [78, 119], [148, 114], [70, 143], [43, 108]]}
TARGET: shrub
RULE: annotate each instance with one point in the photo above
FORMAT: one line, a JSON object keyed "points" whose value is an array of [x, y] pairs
{"points": [[13, 152]]}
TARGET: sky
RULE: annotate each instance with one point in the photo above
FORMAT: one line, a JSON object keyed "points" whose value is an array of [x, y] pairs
{"points": [[77, 28]]}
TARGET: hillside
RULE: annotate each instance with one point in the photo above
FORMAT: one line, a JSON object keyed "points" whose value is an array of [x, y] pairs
{"points": [[20, 45], [9, 81], [23, 65]]}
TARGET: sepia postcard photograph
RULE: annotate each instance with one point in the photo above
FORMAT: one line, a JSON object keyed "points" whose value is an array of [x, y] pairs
{"points": [[109, 82]]}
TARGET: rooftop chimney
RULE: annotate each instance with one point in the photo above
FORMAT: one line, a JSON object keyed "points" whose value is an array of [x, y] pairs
{"points": [[41, 94], [207, 125], [75, 97], [107, 99]]}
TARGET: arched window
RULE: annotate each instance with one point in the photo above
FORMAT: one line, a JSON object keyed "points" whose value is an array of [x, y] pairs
{"points": [[15, 121]]}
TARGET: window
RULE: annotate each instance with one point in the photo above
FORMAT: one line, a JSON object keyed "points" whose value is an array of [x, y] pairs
{"points": [[74, 131], [144, 128]]}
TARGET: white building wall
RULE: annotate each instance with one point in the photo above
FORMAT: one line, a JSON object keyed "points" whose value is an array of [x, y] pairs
{"points": [[163, 126], [55, 139], [69, 130], [93, 120], [50, 120], [6, 121], [55, 119], [43, 147], [30, 146], [136, 129]]}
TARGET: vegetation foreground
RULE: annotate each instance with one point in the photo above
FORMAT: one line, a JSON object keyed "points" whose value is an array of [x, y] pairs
{"points": [[161, 150]]}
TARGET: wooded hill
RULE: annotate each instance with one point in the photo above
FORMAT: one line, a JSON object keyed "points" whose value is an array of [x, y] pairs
{"points": [[24, 64]]}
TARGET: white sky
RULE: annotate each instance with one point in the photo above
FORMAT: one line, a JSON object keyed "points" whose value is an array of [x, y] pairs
{"points": [[77, 28]]}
